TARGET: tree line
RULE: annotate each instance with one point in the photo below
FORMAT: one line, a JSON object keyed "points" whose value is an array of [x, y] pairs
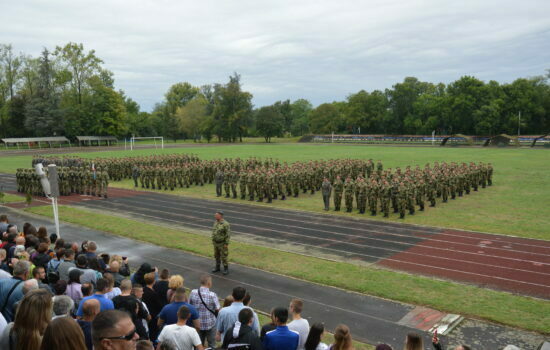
{"points": [[67, 91]]}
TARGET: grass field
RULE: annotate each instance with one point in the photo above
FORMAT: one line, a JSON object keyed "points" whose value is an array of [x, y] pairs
{"points": [[10, 198], [523, 312], [515, 204]]}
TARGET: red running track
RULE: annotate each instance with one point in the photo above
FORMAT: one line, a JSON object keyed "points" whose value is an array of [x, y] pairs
{"points": [[513, 264]]}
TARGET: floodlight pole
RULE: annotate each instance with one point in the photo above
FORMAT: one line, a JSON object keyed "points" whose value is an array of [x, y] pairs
{"points": [[519, 121]]}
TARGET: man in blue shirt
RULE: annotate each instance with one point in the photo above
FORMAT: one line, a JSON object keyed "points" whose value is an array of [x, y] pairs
{"points": [[11, 289], [229, 315], [104, 303], [281, 338], [169, 313]]}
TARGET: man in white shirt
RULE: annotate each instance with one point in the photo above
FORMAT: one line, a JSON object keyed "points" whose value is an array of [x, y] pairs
{"points": [[299, 324], [180, 335]]}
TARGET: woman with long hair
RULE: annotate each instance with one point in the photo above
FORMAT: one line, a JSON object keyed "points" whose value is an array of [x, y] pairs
{"points": [[33, 316], [342, 338], [413, 341], [63, 333], [313, 341]]}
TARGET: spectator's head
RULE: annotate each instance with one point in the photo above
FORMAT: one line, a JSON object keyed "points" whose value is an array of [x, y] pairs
{"points": [[105, 258], [246, 316], [102, 286], [74, 276], [12, 229], [42, 232], [175, 282], [131, 306], [81, 261], [33, 316], [314, 337], [20, 240], [60, 287], [29, 285], [342, 338], [43, 248], [53, 238], [62, 305], [3, 255], [94, 265], [39, 273], [4, 219], [466, 347], [296, 306], [228, 301], [164, 274], [59, 243], [84, 246], [92, 247], [114, 266], [32, 243], [167, 345], [144, 345], [247, 299], [383, 347], [11, 235], [281, 316], [69, 254], [206, 281], [113, 330], [21, 269], [74, 247], [413, 341], [90, 309], [109, 277], [63, 333], [126, 287], [137, 290], [86, 289], [149, 278], [179, 295], [238, 294], [183, 314]]}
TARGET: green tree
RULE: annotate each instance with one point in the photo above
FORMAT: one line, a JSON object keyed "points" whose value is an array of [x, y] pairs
{"points": [[325, 119], [300, 110], [190, 117], [11, 68], [106, 108], [270, 122]]}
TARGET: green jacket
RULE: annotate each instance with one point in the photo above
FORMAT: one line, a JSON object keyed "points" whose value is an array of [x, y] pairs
{"points": [[221, 232]]}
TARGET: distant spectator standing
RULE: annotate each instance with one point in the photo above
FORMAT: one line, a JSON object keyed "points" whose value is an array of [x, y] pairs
{"points": [[180, 334], [229, 315], [90, 309], [169, 313], [313, 341], [101, 289], [66, 265], [298, 324], [242, 333], [63, 306], [11, 289], [268, 327], [413, 341], [3, 223], [207, 304], [342, 338], [74, 288], [161, 286], [281, 338], [175, 282], [154, 303]]}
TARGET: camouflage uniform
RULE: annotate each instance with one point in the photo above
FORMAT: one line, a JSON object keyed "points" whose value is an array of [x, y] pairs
{"points": [[220, 240]]}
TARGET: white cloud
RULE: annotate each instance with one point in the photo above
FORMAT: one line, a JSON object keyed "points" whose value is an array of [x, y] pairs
{"points": [[320, 50]]}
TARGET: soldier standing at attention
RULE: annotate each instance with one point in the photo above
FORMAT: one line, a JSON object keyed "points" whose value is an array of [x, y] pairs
{"points": [[220, 241], [338, 189], [349, 188], [326, 189], [135, 175], [219, 182]]}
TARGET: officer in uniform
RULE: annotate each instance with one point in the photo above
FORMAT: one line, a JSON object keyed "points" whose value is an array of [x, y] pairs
{"points": [[326, 189], [220, 240]]}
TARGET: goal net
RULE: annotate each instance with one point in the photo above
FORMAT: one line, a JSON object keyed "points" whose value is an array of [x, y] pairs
{"points": [[146, 142]]}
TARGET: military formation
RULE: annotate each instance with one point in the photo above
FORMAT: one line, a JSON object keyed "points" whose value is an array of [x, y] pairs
{"points": [[363, 185]]}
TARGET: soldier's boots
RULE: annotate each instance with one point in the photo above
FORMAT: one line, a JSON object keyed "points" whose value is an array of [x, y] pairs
{"points": [[411, 212], [260, 200], [337, 209], [105, 196], [348, 210], [216, 268], [386, 215], [269, 200], [234, 196], [296, 195], [453, 196], [402, 215], [422, 207], [283, 197], [251, 199], [227, 195], [312, 191], [373, 213], [243, 197], [305, 190], [432, 204], [226, 270], [395, 210]]}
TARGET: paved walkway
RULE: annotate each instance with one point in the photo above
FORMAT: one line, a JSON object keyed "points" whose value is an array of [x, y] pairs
{"points": [[372, 320]]}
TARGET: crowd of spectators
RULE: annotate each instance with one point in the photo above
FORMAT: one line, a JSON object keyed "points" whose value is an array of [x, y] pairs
{"points": [[66, 296]]}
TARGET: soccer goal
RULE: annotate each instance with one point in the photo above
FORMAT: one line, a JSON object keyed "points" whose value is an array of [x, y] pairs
{"points": [[137, 142]]}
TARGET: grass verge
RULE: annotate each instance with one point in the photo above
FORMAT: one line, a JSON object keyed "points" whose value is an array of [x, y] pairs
{"points": [[11, 198], [518, 311]]}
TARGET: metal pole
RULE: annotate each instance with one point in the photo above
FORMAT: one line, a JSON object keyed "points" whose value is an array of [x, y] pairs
{"points": [[162, 142], [55, 216]]}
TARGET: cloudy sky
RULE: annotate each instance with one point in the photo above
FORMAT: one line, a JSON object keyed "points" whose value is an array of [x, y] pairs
{"points": [[320, 50]]}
